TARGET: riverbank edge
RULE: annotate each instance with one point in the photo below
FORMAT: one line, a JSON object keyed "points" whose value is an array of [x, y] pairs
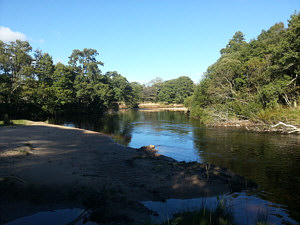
{"points": [[280, 127], [209, 173], [156, 107]]}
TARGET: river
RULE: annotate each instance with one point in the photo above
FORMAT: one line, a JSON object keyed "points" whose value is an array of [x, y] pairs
{"points": [[269, 159]]}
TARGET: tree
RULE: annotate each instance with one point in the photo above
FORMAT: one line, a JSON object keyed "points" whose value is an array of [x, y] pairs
{"points": [[44, 67], [63, 81], [176, 90], [15, 66], [137, 92], [87, 79], [234, 44], [123, 91], [251, 77]]}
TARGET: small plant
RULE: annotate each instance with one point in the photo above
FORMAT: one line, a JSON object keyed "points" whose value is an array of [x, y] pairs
{"points": [[221, 215], [24, 152], [207, 167], [7, 121]]}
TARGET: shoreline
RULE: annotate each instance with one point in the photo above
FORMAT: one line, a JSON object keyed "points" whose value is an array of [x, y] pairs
{"points": [[163, 108], [157, 107], [280, 127], [64, 166]]}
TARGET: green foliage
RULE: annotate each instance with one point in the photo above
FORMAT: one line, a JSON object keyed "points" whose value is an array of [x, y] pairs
{"points": [[137, 93], [123, 90], [251, 79], [280, 113], [204, 114], [34, 86], [247, 79], [235, 44], [170, 91], [176, 90], [15, 65], [44, 67], [151, 91], [7, 121]]}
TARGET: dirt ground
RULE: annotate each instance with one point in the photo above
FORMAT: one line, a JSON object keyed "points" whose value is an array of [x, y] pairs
{"points": [[47, 167]]}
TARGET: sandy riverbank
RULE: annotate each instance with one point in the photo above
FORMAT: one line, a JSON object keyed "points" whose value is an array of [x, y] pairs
{"points": [[66, 167]]}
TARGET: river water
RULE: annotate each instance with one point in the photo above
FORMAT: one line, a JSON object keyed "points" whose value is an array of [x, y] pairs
{"points": [[269, 159]]}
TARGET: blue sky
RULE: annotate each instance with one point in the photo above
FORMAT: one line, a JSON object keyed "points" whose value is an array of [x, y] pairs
{"points": [[142, 39]]}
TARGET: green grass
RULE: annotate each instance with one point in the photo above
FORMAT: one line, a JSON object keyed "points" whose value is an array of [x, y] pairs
{"points": [[24, 152], [283, 114], [13, 122], [203, 216], [221, 215], [20, 122]]}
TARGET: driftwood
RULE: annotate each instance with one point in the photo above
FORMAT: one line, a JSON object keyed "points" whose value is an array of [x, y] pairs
{"points": [[288, 126]]}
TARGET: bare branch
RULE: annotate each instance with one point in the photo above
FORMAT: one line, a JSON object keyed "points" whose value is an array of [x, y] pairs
{"points": [[294, 128], [293, 80]]}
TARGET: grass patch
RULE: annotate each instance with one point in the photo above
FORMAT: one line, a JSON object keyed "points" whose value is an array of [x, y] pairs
{"points": [[20, 122], [24, 152], [274, 115], [221, 215], [13, 122]]}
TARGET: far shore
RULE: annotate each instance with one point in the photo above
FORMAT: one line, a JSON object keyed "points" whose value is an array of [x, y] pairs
{"points": [[47, 167], [160, 109], [157, 107]]}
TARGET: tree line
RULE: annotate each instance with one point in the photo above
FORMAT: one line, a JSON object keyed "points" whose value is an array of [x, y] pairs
{"points": [[170, 91], [257, 80], [34, 86], [31, 85]]}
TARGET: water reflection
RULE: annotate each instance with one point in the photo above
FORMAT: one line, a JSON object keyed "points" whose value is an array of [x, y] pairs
{"points": [[245, 209], [60, 216], [270, 160], [118, 125]]}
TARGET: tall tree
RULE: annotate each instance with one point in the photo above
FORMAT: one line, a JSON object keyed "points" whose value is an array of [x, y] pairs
{"points": [[234, 44], [88, 76], [15, 66], [44, 67]]}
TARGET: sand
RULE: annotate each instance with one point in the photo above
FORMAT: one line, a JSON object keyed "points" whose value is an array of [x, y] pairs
{"points": [[47, 167]]}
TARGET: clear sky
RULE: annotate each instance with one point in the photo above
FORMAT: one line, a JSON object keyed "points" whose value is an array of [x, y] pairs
{"points": [[141, 39]]}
